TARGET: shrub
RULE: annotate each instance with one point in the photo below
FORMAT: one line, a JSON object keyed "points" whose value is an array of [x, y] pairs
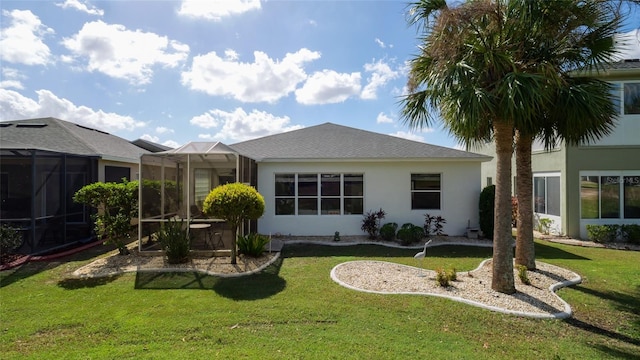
{"points": [[174, 239], [252, 244], [336, 236], [433, 225], [444, 277], [544, 225], [410, 234], [452, 274], [10, 239], [235, 203], [486, 206], [441, 277], [602, 233], [631, 233], [117, 204], [522, 274], [388, 231], [371, 222]]}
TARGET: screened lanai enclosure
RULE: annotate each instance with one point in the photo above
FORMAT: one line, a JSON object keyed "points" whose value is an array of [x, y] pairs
{"points": [[174, 184], [36, 197]]}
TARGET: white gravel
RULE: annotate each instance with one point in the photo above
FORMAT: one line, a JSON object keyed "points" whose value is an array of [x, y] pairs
{"points": [[474, 287]]}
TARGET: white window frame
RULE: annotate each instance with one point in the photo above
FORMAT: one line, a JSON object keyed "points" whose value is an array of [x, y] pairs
{"points": [[318, 196]]}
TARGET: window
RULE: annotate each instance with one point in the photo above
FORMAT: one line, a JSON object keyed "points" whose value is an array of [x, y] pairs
{"points": [[116, 173], [489, 181], [610, 196], [546, 194], [631, 98], [202, 184], [425, 191], [324, 194]]}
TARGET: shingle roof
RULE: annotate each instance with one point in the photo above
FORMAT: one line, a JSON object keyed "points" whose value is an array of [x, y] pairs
{"points": [[150, 145], [336, 142], [53, 134]]}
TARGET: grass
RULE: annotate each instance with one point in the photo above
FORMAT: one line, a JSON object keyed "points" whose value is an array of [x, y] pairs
{"points": [[294, 310]]}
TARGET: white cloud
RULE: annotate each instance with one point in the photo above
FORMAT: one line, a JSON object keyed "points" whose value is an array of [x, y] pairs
{"points": [[240, 126], [380, 43], [155, 139], [381, 74], [14, 105], [383, 119], [164, 130], [263, 80], [21, 42], [628, 45], [328, 87], [408, 136], [81, 6], [216, 10], [11, 78], [124, 54]]}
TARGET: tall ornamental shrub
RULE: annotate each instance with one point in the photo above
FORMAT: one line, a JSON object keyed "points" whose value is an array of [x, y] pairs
{"points": [[117, 205], [486, 207], [235, 203]]}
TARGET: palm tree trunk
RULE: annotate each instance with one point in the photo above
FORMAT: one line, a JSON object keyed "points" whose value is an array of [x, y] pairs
{"points": [[525, 250], [502, 277]]}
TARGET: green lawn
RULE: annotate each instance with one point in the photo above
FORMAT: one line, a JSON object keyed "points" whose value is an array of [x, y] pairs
{"points": [[295, 311]]}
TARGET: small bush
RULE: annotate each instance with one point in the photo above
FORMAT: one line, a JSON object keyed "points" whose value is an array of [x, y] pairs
{"points": [[410, 234], [522, 274], [388, 231], [631, 233], [452, 274], [433, 225], [441, 277], [544, 225], [252, 244], [175, 241], [602, 233], [486, 209], [371, 222], [10, 239]]}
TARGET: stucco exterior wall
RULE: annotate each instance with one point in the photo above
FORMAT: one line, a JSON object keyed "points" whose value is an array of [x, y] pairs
{"points": [[594, 158], [386, 185]]}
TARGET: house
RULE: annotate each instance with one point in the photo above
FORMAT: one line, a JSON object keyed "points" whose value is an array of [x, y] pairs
{"points": [[596, 183], [43, 162], [322, 179]]}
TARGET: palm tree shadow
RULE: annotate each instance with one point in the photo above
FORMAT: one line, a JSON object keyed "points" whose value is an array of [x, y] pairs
{"points": [[251, 287], [544, 251]]}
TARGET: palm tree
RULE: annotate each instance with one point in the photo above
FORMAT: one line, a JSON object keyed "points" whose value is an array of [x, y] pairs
{"points": [[570, 35], [478, 69]]}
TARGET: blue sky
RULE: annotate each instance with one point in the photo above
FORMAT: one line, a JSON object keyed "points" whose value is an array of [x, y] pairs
{"points": [[178, 71]]}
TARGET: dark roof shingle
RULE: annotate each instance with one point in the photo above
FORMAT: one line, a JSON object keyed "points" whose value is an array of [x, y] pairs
{"points": [[51, 134], [336, 142]]}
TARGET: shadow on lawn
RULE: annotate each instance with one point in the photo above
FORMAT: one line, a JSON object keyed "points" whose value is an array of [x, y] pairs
{"points": [[626, 303], [8, 277], [251, 287], [443, 251], [544, 251]]}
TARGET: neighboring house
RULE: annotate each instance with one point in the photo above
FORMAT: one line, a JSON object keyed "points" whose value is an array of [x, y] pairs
{"points": [[596, 183], [43, 162]]}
